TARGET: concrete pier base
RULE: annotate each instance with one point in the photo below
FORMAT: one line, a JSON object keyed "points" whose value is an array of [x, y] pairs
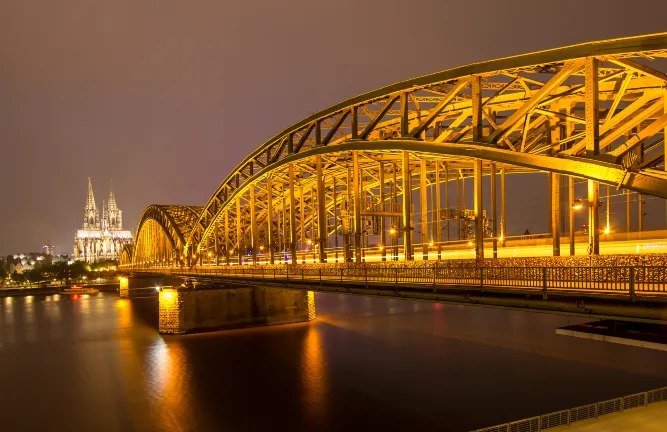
{"points": [[184, 310]]}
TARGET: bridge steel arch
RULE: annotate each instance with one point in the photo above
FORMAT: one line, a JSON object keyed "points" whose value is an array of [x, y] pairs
{"points": [[161, 235], [595, 111], [126, 254]]}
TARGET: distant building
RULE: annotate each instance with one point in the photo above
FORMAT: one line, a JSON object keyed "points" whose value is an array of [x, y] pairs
{"points": [[22, 261], [49, 250], [101, 238]]}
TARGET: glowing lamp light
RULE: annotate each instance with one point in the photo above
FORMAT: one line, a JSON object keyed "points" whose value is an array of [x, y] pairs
{"points": [[469, 243], [577, 205], [210, 254], [261, 248], [381, 247], [157, 288], [430, 243], [310, 241], [607, 230], [501, 238]]}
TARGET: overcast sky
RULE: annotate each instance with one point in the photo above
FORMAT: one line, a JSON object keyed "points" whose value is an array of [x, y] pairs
{"points": [[166, 97]]}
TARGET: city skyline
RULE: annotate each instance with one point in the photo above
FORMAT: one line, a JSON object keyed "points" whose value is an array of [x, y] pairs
{"points": [[166, 114]]}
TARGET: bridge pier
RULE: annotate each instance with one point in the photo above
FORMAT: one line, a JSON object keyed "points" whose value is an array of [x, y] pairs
{"points": [[134, 286], [185, 310]]}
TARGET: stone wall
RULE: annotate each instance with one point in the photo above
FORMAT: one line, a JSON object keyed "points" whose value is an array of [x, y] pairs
{"points": [[170, 311]]}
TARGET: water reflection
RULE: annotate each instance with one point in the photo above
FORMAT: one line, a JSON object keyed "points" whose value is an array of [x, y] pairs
{"points": [[170, 382], [313, 373], [367, 363]]}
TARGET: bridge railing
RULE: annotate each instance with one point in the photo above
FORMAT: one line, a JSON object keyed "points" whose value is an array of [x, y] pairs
{"points": [[585, 412], [620, 279]]}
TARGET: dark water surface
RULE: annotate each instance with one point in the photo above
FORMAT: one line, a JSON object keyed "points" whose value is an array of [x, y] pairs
{"points": [[97, 364]]}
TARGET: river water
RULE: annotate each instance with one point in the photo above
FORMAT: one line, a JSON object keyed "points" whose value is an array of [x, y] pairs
{"points": [[97, 363]]}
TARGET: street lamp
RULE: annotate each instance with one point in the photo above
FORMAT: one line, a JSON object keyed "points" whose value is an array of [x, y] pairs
{"points": [[577, 204]]}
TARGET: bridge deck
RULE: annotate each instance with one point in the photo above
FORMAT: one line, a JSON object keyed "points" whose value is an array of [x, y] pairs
{"points": [[630, 293]]}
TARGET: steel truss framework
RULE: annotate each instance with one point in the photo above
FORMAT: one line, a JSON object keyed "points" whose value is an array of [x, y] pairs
{"points": [[162, 232], [596, 111]]}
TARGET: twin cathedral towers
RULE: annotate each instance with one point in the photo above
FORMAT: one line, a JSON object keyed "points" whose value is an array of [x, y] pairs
{"points": [[101, 238]]}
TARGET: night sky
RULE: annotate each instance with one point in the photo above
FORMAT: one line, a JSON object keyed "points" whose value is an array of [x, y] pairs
{"points": [[166, 97]]}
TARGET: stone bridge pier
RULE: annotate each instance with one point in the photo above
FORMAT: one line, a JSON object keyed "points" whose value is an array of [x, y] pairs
{"points": [[188, 310], [144, 285]]}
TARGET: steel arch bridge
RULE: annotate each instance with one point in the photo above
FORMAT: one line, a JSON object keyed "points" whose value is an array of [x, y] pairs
{"points": [[161, 235], [346, 174]]}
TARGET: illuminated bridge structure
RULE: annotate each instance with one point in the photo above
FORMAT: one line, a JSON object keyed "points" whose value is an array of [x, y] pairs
{"points": [[384, 173], [382, 177]]}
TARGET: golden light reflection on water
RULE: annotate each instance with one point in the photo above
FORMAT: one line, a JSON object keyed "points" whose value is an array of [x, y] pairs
{"points": [[29, 315], [170, 380], [85, 304], [314, 379], [8, 311], [124, 313]]}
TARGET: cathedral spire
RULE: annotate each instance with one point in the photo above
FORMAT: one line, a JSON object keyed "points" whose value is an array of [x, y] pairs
{"points": [[112, 200], [91, 218], [114, 220], [90, 201]]}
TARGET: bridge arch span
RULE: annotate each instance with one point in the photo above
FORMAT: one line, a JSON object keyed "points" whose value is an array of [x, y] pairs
{"points": [[161, 235], [596, 111], [126, 255]]}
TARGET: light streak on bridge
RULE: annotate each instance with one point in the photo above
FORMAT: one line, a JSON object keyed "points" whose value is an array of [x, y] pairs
{"points": [[385, 174]]}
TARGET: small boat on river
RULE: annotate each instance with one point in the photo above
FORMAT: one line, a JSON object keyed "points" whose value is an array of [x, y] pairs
{"points": [[78, 290]]}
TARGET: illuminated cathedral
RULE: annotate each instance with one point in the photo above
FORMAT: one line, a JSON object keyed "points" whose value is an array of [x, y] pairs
{"points": [[101, 238]]}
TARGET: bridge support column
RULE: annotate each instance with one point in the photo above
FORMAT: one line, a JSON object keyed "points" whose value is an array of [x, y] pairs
{"points": [[554, 195], [503, 208], [302, 221], [407, 204], [321, 212], [628, 211], [383, 228], [458, 203], [239, 231], [269, 219], [436, 210], [292, 215], [357, 206], [494, 212], [593, 218], [227, 243], [640, 212], [447, 199], [479, 214], [183, 310], [253, 225], [423, 206], [124, 287], [570, 204]]}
